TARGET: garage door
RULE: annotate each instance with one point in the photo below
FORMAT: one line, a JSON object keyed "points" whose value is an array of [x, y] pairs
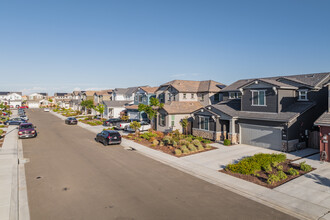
{"points": [[261, 136], [33, 105]]}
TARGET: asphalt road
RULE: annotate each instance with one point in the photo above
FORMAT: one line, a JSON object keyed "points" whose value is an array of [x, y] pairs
{"points": [[70, 176]]}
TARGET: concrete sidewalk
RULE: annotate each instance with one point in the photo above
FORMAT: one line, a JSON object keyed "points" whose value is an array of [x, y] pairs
{"points": [[285, 198]]}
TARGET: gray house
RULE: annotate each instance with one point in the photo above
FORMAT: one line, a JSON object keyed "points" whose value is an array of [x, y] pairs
{"points": [[275, 112]]}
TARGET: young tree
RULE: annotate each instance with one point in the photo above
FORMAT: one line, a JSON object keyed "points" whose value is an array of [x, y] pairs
{"points": [[100, 109], [88, 104], [184, 123], [151, 110], [135, 125]]}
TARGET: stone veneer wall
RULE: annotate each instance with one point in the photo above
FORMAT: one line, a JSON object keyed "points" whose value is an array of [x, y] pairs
{"points": [[204, 134]]}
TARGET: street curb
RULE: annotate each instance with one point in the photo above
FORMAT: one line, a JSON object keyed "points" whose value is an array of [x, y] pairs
{"points": [[23, 204]]}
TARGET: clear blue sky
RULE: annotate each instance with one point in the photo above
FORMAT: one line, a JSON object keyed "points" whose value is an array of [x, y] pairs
{"points": [[61, 45]]}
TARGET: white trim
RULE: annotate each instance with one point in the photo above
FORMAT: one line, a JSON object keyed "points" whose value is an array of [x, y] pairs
{"points": [[306, 95], [258, 97]]}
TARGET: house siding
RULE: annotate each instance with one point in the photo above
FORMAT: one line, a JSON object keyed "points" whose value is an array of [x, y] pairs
{"points": [[285, 98], [271, 101]]}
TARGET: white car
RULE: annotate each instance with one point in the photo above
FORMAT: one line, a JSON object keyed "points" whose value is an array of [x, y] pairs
{"points": [[46, 109], [144, 127], [24, 117], [123, 125]]}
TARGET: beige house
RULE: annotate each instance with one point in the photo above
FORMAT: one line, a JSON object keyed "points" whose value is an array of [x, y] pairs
{"points": [[103, 95], [169, 117]]}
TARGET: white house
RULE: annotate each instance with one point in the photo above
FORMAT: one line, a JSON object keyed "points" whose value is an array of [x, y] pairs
{"points": [[13, 99]]}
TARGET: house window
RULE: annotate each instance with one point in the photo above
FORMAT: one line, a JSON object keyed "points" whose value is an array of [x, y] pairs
{"points": [[192, 95], [172, 120], [259, 97], [140, 98], [136, 97], [202, 97], [302, 95], [204, 123], [184, 95], [169, 97], [173, 97], [235, 95], [161, 119], [216, 97]]}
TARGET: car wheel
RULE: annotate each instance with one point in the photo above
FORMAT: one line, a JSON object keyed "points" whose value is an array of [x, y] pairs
{"points": [[105, 142]]}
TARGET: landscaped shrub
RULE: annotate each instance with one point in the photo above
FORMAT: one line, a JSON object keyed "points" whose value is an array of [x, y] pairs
{"points": [[251, 165], [1, 131], [175, 144], [177, 152], [200, 147], [192, 148], [196, 142], [161, 143], [189, 139], [186, 151], [206, 141], [208, 146], [305, 167], [2, 126], [293, 172], [280, 167], [148, 135], [226, 142], [267, 168], [155, 142], [282, 175], [272, 178], [167, 140]]}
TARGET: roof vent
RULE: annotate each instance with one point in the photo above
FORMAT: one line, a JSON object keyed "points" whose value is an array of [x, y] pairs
{"points": [[209, 107], [310, 76]]}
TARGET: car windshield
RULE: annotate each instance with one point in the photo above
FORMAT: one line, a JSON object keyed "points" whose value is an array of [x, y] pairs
{"points": [[26, 126]]}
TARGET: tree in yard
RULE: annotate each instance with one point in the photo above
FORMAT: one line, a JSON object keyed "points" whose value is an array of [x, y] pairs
{"points": [[135, 125], [88, 104], [124, 118], [184, 123], [151, 110], [100, 109]]}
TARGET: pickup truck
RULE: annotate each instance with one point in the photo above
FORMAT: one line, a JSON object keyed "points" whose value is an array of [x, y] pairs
{"points": [[125, 124]]}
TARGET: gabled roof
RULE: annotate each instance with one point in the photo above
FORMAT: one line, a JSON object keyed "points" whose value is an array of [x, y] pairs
{"points": [[313, 80], [271, 82], [115, 104], [126, 91], [89, 93], [104, 92], [195, 86], [7, 93], [176, 107], [149, 90], [60, 94], [323, 120]]}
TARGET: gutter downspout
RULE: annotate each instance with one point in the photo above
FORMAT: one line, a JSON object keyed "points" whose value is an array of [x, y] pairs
{"points": [[287, 137]]}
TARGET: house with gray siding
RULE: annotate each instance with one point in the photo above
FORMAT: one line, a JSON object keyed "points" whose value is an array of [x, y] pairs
{"points": [[275, 112]]}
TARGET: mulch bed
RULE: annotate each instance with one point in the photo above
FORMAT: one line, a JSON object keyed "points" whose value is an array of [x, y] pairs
{"points": [[263, 176], [165, 149]]}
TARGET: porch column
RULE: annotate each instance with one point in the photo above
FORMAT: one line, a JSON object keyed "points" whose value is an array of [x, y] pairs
{"points": [[232, 133]]}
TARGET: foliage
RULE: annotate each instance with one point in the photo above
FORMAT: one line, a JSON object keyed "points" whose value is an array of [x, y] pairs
{"points": [[184, 123], [175, 144], [192, 148], [89, 104], [282, 175], [148, 135], [155, 142], [226, 142], [151, 110], [161, 143], [251, 165], [200, 147], [167, 140], [267, 168], [178, 152], [135, 125], [112, 128], [208, 146], [94, 123], [206, 141], [100, 109], [196, 142], [272, 178], [293, 172], [280, 167], [124, 118], [305, 167], [1, 131]]}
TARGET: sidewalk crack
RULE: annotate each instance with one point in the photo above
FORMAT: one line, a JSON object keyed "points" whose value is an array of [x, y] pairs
{"points": [[328, 212]]}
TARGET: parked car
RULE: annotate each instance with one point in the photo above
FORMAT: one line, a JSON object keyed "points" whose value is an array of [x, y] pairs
{"points": [[25, 106], [124, 124], [71, 121], [27, 130], [24, 117], [21, 113], [144, 127], [112, 122], [46, 109], [108, 137], [15, 121], [4, 113]]}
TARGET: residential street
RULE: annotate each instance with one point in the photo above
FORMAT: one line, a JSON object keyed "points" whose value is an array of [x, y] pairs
{"points": [[70, 176]]}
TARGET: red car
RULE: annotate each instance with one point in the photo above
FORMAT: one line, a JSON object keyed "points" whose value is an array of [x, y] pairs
{"points": [[24, 106]]}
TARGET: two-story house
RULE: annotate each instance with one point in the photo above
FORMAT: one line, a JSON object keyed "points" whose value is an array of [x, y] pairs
{"points": [[75, 101], [13, 99], [35, 100], [103, 95], [142, 96], [323, 122], [63, 99], [121, 97], [274, 112], [181, 98]]}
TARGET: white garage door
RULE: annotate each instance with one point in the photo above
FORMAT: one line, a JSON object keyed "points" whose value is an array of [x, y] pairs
{"points": [[261, 136], [33, 105]]}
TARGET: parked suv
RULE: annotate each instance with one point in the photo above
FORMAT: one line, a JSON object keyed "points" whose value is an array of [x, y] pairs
{"points": [[112, 122], [108, 137], [15, 121], [71, 121], [27, 130]]}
